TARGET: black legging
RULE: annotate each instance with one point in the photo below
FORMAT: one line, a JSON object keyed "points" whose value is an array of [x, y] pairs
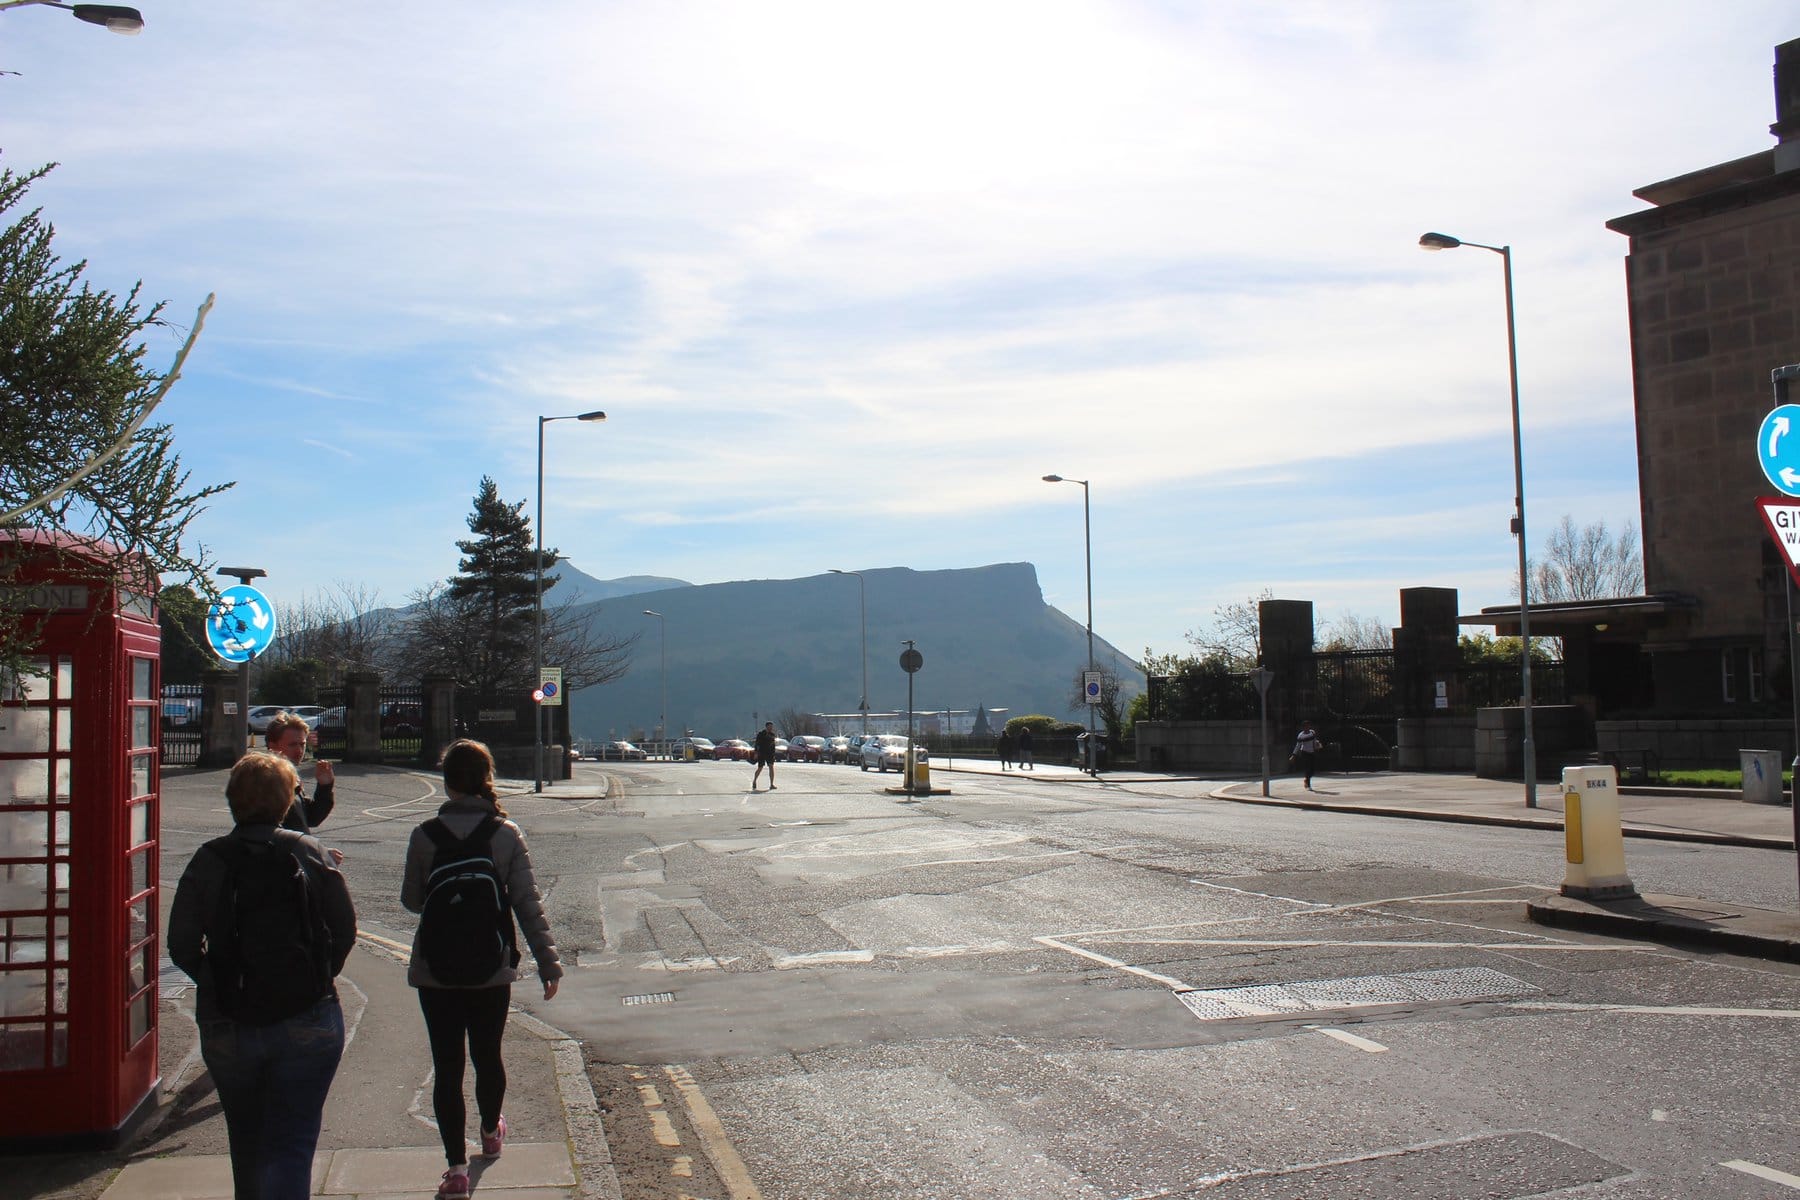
{"points": [[479, 1016]]}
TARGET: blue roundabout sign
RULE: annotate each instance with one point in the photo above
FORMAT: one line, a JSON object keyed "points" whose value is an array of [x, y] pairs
{"points": [[241, 625], [1778, 448]]}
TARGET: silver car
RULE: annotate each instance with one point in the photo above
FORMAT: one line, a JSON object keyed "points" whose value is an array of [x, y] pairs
{"points": [[887, 752]]}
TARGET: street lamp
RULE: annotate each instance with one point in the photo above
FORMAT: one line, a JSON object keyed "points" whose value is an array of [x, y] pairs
{"points": [[662, 721], [862, 593], [537, 622], [1443, 241], [128, 21], [1087, 540]]}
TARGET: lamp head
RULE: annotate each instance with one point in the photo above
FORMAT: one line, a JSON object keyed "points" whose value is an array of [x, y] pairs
{"points": [[1439, 241], [1053, 479], [596, 415], [118, 19], [651, 613]]}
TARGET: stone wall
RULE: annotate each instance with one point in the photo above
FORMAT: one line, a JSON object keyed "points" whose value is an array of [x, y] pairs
{"points": [[1436, 744], [1695, 743], [1223, 746]]}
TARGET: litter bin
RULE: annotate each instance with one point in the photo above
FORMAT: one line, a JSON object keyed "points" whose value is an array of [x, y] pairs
{"points": [[1762, 776]]}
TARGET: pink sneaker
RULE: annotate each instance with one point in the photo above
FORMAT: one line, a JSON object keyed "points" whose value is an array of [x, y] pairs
{"points": [[455, 1185], [493, 1143]]}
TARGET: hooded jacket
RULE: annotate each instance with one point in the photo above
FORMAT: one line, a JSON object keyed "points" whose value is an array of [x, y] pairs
{"points": [[512, 860]]}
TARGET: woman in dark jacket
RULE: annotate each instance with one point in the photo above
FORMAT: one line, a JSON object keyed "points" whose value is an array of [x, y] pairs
{"points": [[473, 1013], [272, 1074]]}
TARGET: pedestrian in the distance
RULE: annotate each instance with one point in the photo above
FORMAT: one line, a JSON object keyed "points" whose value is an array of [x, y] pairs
{"points": [[765, 755], [1306, 750], [1025, 763], [1004, 748], [262, 922], [468, 875]]}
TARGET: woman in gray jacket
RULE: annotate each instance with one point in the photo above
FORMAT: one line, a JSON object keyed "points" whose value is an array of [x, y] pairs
{"points": [[472, 1012]]}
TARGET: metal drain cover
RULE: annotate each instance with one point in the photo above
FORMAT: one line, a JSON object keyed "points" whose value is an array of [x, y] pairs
{"points": [[1458, 983], [651, 998]]}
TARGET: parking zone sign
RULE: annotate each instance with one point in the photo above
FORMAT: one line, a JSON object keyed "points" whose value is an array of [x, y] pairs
{"points": [[550, 684]]}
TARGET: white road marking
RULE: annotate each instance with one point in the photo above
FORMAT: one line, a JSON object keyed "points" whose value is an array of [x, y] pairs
{"points": [[379, 812], [1663, 1010], [1762, 1172], [1315, 943], [688, 964], [821, 958], [1081, 952], [952, 951], [1351, 1039]]}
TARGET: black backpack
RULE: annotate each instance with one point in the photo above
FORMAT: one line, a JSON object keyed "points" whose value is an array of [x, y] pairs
{"points": [[269, 947], [466, 931]]}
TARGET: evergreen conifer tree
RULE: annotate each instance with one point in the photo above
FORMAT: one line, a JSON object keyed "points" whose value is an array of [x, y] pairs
{"points": [[495, 591]]}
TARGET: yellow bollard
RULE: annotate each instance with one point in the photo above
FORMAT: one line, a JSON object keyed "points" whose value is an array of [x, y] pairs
{"points": [[1593, 841], [920, 783]]}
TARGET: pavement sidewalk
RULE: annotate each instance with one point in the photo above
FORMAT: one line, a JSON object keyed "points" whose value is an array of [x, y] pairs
{"points": [[378, 1139], [1644, 813]]}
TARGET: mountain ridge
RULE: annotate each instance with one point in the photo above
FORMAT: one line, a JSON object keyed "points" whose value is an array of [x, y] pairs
{"points": [[741, 650]]}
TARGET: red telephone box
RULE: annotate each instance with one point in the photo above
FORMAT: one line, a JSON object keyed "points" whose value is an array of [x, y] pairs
{"points": [[79, 779]]}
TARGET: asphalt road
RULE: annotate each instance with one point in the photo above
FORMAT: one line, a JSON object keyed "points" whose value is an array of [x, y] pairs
{"points": [[1093, 990]]}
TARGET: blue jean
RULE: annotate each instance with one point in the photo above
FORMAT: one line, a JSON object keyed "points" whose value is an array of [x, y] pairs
{"points": [[272, 1082]]}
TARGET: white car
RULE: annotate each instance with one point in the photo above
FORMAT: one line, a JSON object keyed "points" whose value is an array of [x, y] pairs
{"points": [[262, 714], [312, 714], [887, 752]]}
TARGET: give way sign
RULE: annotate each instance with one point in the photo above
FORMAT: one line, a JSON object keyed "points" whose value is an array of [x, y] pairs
{"points": [[1782, 516]]}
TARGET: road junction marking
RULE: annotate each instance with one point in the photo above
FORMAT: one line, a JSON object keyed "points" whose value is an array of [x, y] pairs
{"points": [[1762, 1172]]}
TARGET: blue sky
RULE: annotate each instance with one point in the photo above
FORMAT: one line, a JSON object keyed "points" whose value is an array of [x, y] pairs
{"points": [[850, 277]]}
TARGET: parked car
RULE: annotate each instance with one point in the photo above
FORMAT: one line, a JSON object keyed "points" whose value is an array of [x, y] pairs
{"points": [[887, 752], [837, 749], [735, 750], [262, 714], [781, 748], [806, 747], [331, 718], [702, 747], [312, 714], [856, 744], [622, 752], [402, 719]]}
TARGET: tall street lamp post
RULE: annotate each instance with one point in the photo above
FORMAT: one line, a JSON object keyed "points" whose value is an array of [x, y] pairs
{"points": [[862, 594], [537, 621], [662, 721], [1443, 241], [1087, 541], [113, 17]]}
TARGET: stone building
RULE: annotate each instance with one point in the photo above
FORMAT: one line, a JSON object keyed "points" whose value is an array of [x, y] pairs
{"points": [[1713, 282]]}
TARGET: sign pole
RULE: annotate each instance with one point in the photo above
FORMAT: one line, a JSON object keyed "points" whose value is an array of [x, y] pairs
{"points": [[1262, 677], [1779, 467]]}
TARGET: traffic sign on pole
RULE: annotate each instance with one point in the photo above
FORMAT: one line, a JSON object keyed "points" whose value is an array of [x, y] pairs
{"points": [[241, 625], [1778, 448], [1782, 517], [1091, 686], [550, 684]]}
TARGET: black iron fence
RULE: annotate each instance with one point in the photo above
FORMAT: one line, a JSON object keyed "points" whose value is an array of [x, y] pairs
{"points": [[1499, 685], [183, 706]]}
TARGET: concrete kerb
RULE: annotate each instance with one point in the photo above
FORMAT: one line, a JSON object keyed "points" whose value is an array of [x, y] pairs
{"points": [[1227, 792], [588, 1147], [1676, 920]]}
